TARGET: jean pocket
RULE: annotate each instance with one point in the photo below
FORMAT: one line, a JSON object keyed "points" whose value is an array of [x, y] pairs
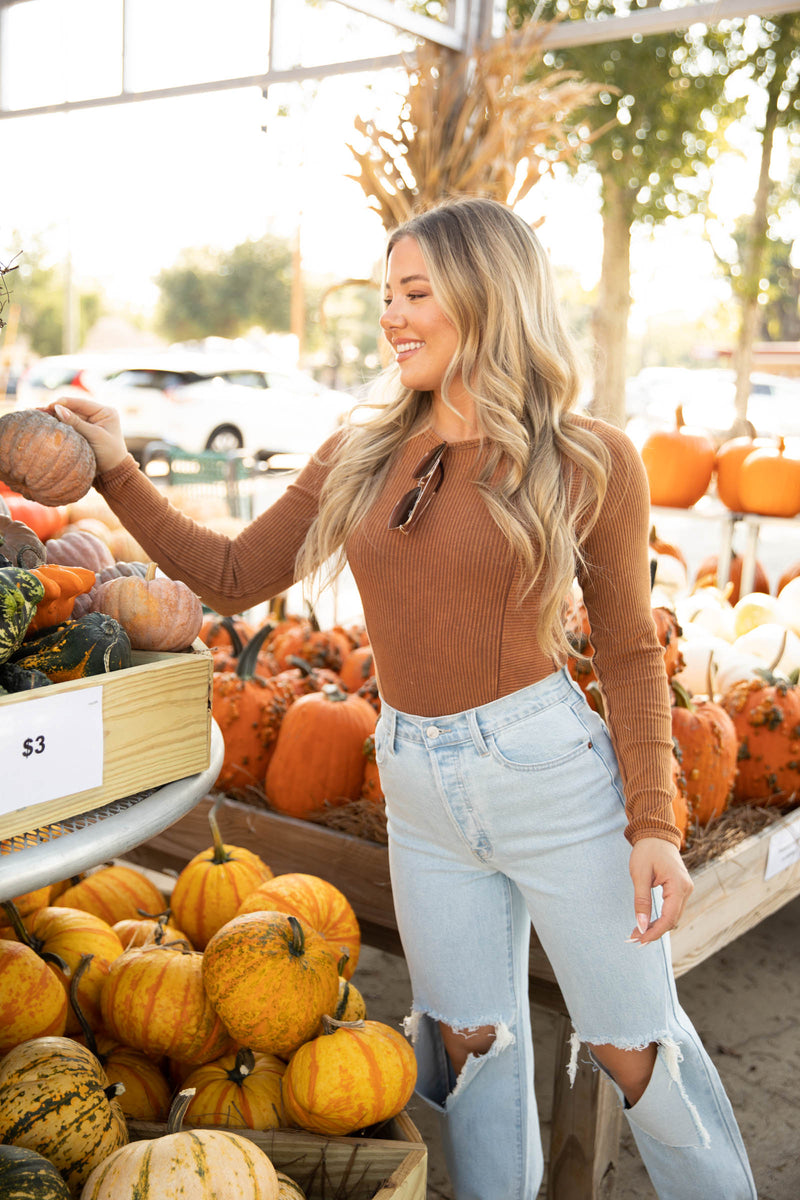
{"points": [[381, 741], [547, 739]]}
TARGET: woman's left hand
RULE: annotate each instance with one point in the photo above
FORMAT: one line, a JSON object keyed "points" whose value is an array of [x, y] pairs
{"points": [[655, 862]]}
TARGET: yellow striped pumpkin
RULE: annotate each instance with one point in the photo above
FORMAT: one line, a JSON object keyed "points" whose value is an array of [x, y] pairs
{"points": [[55, 1099], [212, 886], [154, 1000], [114, 893], [319, 904], [355, 1075], [33, 1003], [208, 1164], [270, 978], [242, 1089]]}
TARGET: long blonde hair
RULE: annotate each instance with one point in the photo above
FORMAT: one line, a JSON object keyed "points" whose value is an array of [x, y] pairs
{"points": [[543, 475]]}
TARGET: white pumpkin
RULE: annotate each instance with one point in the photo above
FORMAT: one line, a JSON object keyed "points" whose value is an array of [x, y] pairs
{"points": [[698, 650], [758, 608], [709, 609], [764, 642]]}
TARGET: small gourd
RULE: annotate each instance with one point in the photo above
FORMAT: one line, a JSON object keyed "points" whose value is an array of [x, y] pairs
{"points": [[27, 1175], [158, 613], [91, 645], [20, 592]]}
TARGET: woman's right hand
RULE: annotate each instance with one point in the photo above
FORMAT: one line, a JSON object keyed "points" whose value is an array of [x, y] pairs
{"points": [[98, 424]]}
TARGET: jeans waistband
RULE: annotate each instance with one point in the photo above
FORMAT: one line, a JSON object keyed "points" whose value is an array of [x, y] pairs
{"points": [[473, 723]]}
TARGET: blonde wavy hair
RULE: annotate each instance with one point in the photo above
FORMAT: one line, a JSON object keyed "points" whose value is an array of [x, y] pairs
{"points": [[543, 474]]}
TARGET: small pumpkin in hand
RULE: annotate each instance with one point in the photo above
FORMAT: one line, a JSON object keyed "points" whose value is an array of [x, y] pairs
{"points": [[157, 614], [43, 459]]}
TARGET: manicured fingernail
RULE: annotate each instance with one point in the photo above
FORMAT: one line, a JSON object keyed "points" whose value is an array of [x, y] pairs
{"points": [[62, 413], [642, 923]]}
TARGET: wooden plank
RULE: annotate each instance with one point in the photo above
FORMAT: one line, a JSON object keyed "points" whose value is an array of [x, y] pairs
{"points": [[731, 895], [585, 1127], [393, 1167]]}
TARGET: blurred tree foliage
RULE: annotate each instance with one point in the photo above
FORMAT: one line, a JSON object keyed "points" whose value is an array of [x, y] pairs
{"points": [[227, 292], [664, 95], [38, 287]]}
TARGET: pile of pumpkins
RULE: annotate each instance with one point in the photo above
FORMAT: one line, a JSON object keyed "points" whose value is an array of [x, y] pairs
{"points": [[750, 474], [297, 707], [733, 663], [231, 1008]]}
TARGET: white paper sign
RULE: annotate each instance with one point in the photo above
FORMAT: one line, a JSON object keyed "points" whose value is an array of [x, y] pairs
{"points": [[51, 747], [784, 848]]}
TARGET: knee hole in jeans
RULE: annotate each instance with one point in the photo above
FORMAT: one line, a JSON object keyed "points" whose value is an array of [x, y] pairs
{"points": [[461, 1043]]}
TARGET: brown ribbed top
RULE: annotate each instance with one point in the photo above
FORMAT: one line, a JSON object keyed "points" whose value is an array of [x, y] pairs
{"points": [[442, 604]]}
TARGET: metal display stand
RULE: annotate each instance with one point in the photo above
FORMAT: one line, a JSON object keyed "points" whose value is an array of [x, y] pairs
{"points": [[68, 847]]}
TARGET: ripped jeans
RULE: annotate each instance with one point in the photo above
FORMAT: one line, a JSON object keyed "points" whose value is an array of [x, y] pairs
{"points": [[504, 815]]}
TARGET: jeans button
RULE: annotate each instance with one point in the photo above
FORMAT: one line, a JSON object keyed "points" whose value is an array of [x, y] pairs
{"points": [[432, 731]]}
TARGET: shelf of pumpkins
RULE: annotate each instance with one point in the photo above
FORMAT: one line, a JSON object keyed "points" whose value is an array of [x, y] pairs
{"points": [[228, 1012]]}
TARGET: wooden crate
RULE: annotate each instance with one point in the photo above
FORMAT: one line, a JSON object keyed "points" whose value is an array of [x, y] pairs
{"points": [[393, 1167], [156, 728], [730, 894]]}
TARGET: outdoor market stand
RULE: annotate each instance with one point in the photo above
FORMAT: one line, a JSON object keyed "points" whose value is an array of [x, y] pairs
{"points": [[732, 893]]}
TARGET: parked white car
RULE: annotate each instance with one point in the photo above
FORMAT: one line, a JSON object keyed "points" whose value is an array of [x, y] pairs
{"points": [[707, 398], [196, 401]]}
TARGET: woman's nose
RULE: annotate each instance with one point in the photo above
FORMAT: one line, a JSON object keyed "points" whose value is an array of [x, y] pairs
{"points": [[390, 317]]}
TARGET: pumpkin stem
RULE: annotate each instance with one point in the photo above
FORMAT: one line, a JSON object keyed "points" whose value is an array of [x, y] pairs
{"points": [[334, 693], [330, 1024], [28, 939], [178, 1109], [774, 665], [312, 618], [305, 669], [221, 855], [114, 1089], [150, 573], [710, 673], [229, 626], [682, 697], [248, 659], [244, 1065], [342, 963], [88, 1032], [593, 689], [297, 946]]}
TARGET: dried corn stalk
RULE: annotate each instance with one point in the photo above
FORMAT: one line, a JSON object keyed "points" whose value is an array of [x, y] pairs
{"points": [[468, 124]]}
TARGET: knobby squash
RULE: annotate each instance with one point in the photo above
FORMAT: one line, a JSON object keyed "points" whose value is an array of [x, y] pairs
{"points": [[91, 645]]}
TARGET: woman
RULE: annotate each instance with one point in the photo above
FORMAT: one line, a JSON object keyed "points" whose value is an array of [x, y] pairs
{"points": [[465, 507]]}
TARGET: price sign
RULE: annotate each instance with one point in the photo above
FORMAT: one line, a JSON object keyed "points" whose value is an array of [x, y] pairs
{"points": [[784, 849], [51, 747]]}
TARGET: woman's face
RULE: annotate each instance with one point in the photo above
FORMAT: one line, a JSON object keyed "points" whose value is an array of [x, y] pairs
{"points": [[423, 339]]}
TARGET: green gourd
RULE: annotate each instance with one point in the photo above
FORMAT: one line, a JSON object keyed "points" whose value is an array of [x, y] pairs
{"points": [[27, 1175], [20, 592], [91, 645]]}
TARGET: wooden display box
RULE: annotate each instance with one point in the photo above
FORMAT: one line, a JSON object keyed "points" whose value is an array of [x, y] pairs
{"points": [[393, 1167], [731, 893], [156, 728]]}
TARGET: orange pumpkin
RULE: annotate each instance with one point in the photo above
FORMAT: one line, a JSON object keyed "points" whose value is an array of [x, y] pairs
{"points": [[371, 788], [707, 742], [147, 1091], [354, 1075], [149, 931], [358, 666], [241, 1089], [766, 714], [219, 631], [270, 978], [707, 576], [44, 459], [659, 546], [318, 904], [212, 886], [114, 893], [318, 755], [669, 634], [728, 468], [156, 613], [680, 803], [679, 463], [769, 482], [154, 1000], [249, 708]]}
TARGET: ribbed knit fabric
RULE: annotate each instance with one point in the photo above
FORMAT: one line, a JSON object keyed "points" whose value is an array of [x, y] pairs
{"points": [[442, 604]]}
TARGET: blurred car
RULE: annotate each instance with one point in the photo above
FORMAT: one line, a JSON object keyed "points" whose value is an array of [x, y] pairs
{"points": [[707, 397], [196, 401]]}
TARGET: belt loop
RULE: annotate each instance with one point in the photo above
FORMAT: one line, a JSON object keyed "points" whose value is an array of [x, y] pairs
{"points": [[391, 727], [475, 733]]}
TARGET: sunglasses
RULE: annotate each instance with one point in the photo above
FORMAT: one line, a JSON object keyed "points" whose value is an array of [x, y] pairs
{"points": [[428, 475]]}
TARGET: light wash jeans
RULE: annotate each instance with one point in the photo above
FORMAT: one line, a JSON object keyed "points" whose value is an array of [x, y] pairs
{"points": [[499, 816]]}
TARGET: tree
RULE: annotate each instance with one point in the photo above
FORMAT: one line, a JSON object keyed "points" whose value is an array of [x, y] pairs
{"points": [[37, 286], [775, 68], [468, 125], [665, 95], [226, 292]]}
